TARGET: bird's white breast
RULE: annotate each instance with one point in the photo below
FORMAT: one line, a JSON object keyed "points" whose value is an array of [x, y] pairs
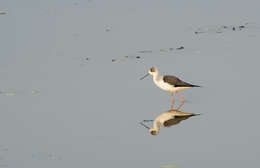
{"points": [[164, 86]]}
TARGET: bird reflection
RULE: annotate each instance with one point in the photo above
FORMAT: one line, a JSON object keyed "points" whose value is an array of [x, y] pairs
{"points": [[166, 119]]}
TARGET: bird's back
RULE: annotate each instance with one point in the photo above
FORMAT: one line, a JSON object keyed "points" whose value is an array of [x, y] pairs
{"points": [[176, 117], [176, 82], [180, 114]]}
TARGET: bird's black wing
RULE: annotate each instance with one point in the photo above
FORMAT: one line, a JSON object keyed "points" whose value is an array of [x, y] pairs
{"points": [[175, 121], [176, 82]]}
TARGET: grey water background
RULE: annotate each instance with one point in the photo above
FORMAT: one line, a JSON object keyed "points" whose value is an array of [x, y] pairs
{"points": [[66, 111]]}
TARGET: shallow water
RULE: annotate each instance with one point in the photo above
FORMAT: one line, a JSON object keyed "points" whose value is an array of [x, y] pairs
{"points": [[59, 109]]}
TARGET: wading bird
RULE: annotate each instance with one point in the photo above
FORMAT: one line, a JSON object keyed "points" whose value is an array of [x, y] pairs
{"points": [[169, 83]]}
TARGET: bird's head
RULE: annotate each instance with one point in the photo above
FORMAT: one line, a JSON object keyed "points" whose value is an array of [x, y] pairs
{"points": [[152, 71], [153, 131]]}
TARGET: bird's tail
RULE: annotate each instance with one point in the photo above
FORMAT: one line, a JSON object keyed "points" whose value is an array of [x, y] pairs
{"points": [[195, 86], [195, 114]]}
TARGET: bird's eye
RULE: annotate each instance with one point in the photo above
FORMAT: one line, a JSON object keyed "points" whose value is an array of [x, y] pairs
{"points": [[152, 69], [153, 132]]}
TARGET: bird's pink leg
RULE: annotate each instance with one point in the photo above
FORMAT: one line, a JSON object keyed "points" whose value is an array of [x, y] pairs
{"points": [[181, 100], [172, 100]]}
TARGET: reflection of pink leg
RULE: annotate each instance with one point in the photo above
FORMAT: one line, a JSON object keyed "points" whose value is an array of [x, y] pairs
{"points": [[181, 100], [172, 101]]}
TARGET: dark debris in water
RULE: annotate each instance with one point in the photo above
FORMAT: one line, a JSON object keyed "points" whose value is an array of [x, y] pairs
{"points": [[180, 48], [142, 53], [132, 57], [223, 28], [145, 51], [3, 12], [138, 55]]}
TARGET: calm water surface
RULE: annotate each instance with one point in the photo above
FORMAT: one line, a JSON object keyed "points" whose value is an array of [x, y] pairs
{"points": [[64, 103]]}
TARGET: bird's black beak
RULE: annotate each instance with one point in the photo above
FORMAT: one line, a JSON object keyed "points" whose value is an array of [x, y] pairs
{"points": [[145, 126], [144, 76]]}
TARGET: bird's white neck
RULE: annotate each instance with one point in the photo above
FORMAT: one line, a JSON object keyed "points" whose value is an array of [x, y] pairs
{"points": [[156, 76], [156, 125]]}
